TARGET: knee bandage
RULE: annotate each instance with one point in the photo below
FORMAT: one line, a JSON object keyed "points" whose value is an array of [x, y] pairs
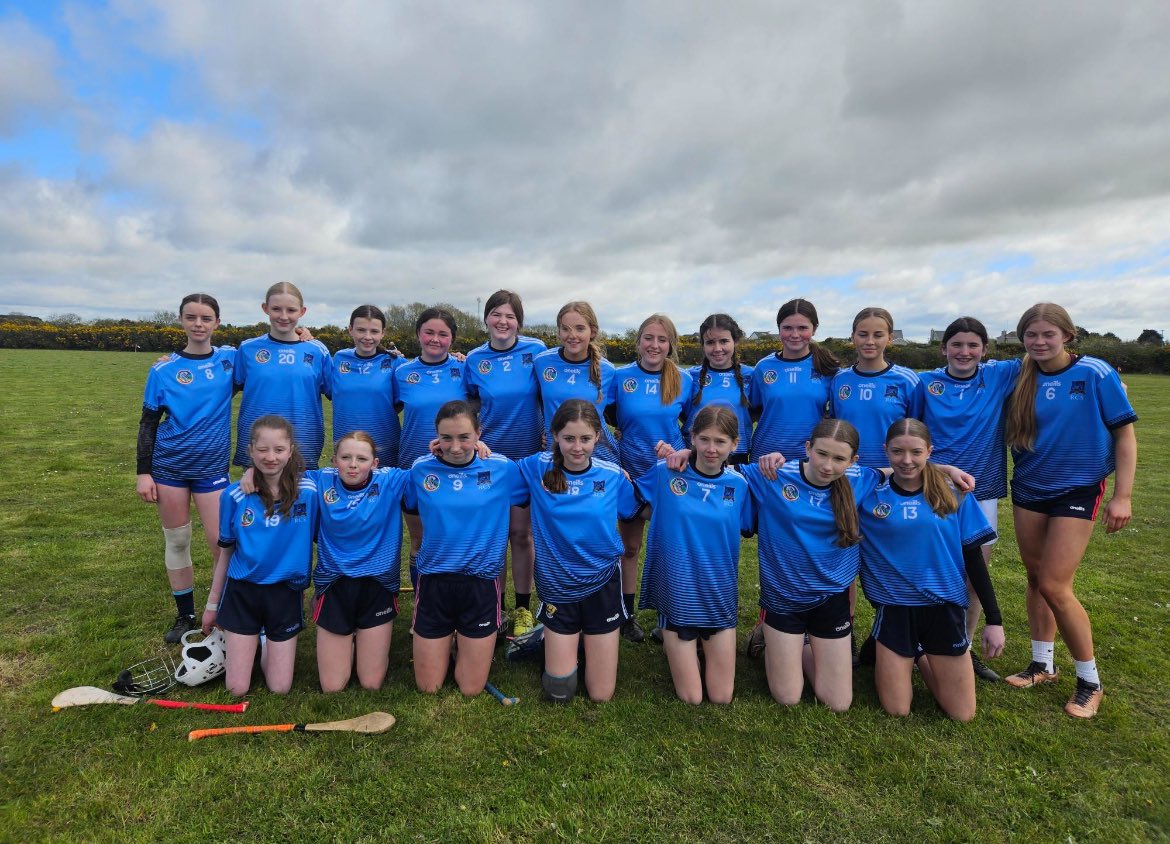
{"points": [[178, 542], [560, 689]]}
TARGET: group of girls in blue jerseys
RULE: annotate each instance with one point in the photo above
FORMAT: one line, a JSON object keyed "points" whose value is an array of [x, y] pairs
{"points": [[871, 472]]}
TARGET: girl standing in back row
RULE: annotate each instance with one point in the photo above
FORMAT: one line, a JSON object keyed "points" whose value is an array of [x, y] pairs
{"points": [[363, 385], [722, 379], [1069, 426]]}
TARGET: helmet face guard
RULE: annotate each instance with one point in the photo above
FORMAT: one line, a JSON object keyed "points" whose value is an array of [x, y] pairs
{"points": [[202, 661], [150, 677]]}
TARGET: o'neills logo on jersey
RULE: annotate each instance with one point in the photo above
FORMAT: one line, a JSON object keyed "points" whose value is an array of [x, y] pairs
{"points": [[263, 356], [936, 388], [629, 385], [485, 366], [882, 510], [330, 496], [247, 518], [790, 492], [549, 374], [845, 392], [770, 376], [184, 376], [344, 367], [431, 483], [413, 378], [678, 486]]}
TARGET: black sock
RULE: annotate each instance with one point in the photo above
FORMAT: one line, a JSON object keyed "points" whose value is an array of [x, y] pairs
{"points": [[523, 599], [628, 600], [185, 601]]}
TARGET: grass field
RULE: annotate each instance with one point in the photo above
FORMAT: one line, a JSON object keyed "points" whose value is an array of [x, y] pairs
{"points": [[84, 594]]}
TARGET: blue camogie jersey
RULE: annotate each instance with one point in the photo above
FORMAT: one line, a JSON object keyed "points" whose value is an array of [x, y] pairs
{"points": [[465, 512], [1077, 411], [194, 441], [720, 387], [644, 420], [286, 378], [966, 421], [269, 549], [873, 401], [801, 564], [912, 557], [360, 532], [575, 532], [363, 400], [791, 398], [691, 572], [509, 401], [560, 380], [420, 389]]}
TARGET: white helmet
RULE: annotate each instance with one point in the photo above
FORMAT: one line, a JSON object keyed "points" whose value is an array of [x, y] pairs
{"points": [[202, 661]]}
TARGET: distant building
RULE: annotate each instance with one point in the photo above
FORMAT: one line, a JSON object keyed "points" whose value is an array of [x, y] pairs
{"points": [[763, 335], [1007, 338], [936, 335], [897, 339]]}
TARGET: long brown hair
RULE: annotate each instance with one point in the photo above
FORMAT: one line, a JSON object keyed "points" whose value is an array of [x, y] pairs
{"points": [[1021, 416], [595, 353], [841, 491], [288, 485], [936, 487], [670, 379], [572, 410], [725, 323], [823, 361]]}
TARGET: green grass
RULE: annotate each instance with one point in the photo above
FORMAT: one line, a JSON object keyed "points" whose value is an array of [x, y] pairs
{"points": [[84, 595]]}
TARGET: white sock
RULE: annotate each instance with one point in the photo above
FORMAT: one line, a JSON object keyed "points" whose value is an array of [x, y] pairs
{"points": [[1087, 671], [1044, 652]]}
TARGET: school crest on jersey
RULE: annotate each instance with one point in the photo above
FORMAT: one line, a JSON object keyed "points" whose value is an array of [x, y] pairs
{"points": [[263, 356], [226, 364], [431, 483], [184, 376], [599, 487], [1076, 388], [483, 480], [891, 392], [707, 380], [845, 392], [330, 496], [770, 376], [526, 359], [456, 373], [373, 491], [936, 388], [485, 366], [678, 486], [247, 518], [413, 378], [882, 510], [790, 492], [344, 367], [387, 363], [308, 359], [549, 374], [728, 495], [630, 385], [299, 511]]}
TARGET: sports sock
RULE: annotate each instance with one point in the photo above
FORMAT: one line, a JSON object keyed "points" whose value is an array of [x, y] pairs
{"points": [[185, 601], [628, 600], [1087, 671], [523, 599], [1044, 652]]}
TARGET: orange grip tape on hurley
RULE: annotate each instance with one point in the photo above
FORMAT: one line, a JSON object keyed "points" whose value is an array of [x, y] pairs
{"points": [[195, 735]]}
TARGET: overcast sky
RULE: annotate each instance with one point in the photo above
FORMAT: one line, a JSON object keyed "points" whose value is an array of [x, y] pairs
{"points": [[937, 159]]}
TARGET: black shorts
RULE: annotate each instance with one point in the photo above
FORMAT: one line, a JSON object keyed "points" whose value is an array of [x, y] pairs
{"points": [[599, 612], [456, 603], [689, 634], [1081, 502], [248, 608], [354, 603], [937, 629], [829, 619]]}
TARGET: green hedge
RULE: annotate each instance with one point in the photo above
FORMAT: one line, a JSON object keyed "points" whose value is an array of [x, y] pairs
{"points": [[143, 337]]}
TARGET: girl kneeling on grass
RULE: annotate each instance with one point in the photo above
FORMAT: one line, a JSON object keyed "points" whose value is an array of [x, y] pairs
{"points": [[919, 539], [464, 502], [576, 503], [266, 544], [691, 573]]}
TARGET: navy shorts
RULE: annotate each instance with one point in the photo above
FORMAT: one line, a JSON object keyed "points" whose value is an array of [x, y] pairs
{"points": [[829, 619], [456, 603], [1079, 503], [212, 484], [936, 629], [689, 634], [599, 612], [354, 603], [248, 608]]}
